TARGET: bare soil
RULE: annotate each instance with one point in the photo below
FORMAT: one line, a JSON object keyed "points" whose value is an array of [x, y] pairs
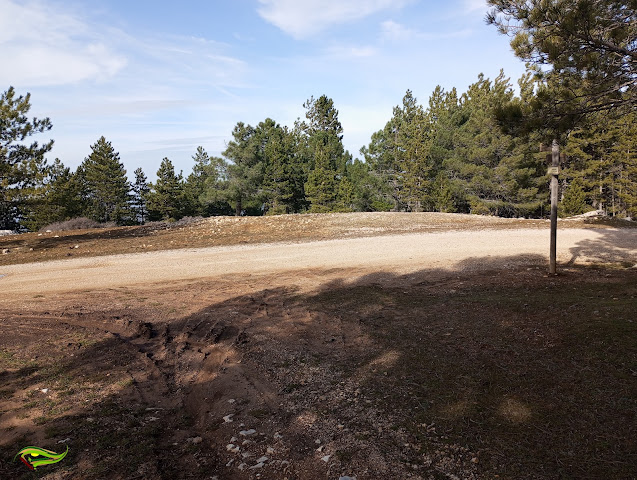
{"points": [[396, 346]]}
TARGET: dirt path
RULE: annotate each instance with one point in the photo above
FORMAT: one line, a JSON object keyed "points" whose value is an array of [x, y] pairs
{"points": [[394, 253]]}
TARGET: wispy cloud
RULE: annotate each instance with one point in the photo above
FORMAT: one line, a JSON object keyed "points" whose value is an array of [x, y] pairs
{"points": [[41, 46], [347, 52], [476, 6], [396, 32], [309, 17]]}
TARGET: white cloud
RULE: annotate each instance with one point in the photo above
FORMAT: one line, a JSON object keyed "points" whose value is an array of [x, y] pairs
{"points": [[396, 32], [303, 19], [345, 52], [472, 6], [41, 46]]}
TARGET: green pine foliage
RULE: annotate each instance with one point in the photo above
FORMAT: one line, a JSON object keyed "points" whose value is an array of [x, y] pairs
{"points": [[470, 152], [166, 197], [323, 142], [600, 155], [244, 186], [59, 198], [139, 200], [105, 185], [285, 170], [573, 201], [22, 164]]}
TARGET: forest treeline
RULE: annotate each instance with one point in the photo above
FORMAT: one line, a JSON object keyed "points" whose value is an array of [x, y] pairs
{"points": [[453, 154]]}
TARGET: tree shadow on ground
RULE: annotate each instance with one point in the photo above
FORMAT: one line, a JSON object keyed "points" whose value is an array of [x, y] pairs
{"points": [[611, 246], [487, 369]]}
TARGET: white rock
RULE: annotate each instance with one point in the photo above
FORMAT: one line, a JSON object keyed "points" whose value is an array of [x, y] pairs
{"points": [[231, 400], [263, 459], [233, 439], [242, 466], [228, 418], [258, 465], [269, 450], [277, 436], [45, 390], [197, 440], [326, 458], [245, 433], [346, 478], [65, 440]]}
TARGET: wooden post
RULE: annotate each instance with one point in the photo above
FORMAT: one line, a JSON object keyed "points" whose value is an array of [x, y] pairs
{"points": [[554, 170]]}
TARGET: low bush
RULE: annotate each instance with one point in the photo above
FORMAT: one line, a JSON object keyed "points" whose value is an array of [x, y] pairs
{"points": [[80, 223]]}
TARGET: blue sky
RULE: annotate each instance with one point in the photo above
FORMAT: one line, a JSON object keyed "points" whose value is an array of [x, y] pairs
{"points": [[159, 78]]}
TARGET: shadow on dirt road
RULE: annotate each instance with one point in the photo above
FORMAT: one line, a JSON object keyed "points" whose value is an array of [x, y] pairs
{"points": [[488, 369]]}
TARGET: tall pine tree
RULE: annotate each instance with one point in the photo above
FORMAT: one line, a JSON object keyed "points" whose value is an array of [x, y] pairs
{"points": [[165, 201], [21, 163], [106, 186], [140, 189]]}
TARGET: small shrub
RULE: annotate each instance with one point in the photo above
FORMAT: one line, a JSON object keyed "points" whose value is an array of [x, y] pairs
{"points": [[80, 223], [187, 221]]}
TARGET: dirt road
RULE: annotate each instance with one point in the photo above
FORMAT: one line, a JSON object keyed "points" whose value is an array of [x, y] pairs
{"points": [[395, 253], [419, 355]]}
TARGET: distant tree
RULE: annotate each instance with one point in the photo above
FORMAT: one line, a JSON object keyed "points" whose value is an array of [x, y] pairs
{"points": [[58, 198], [165, 200], [412, 147], [244, 187], [206, 170], [105, 183], [601, 157], [285, 173], [384, 168], [21, 163], [140, 189], [324, 144], [574, 200], [367, 189]]}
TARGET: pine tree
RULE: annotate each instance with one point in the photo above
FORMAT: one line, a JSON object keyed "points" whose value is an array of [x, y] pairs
{"points": [[22, 165], [60, 198], [106, 186], [207, 172], [323, 141], [322, 184], [244, 187], [574, 200], [140, 189], [285, 175], [412, 137], [165, 201]]}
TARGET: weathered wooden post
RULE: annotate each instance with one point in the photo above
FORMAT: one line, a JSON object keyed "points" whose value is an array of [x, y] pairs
{"points": [[554, 171]]}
